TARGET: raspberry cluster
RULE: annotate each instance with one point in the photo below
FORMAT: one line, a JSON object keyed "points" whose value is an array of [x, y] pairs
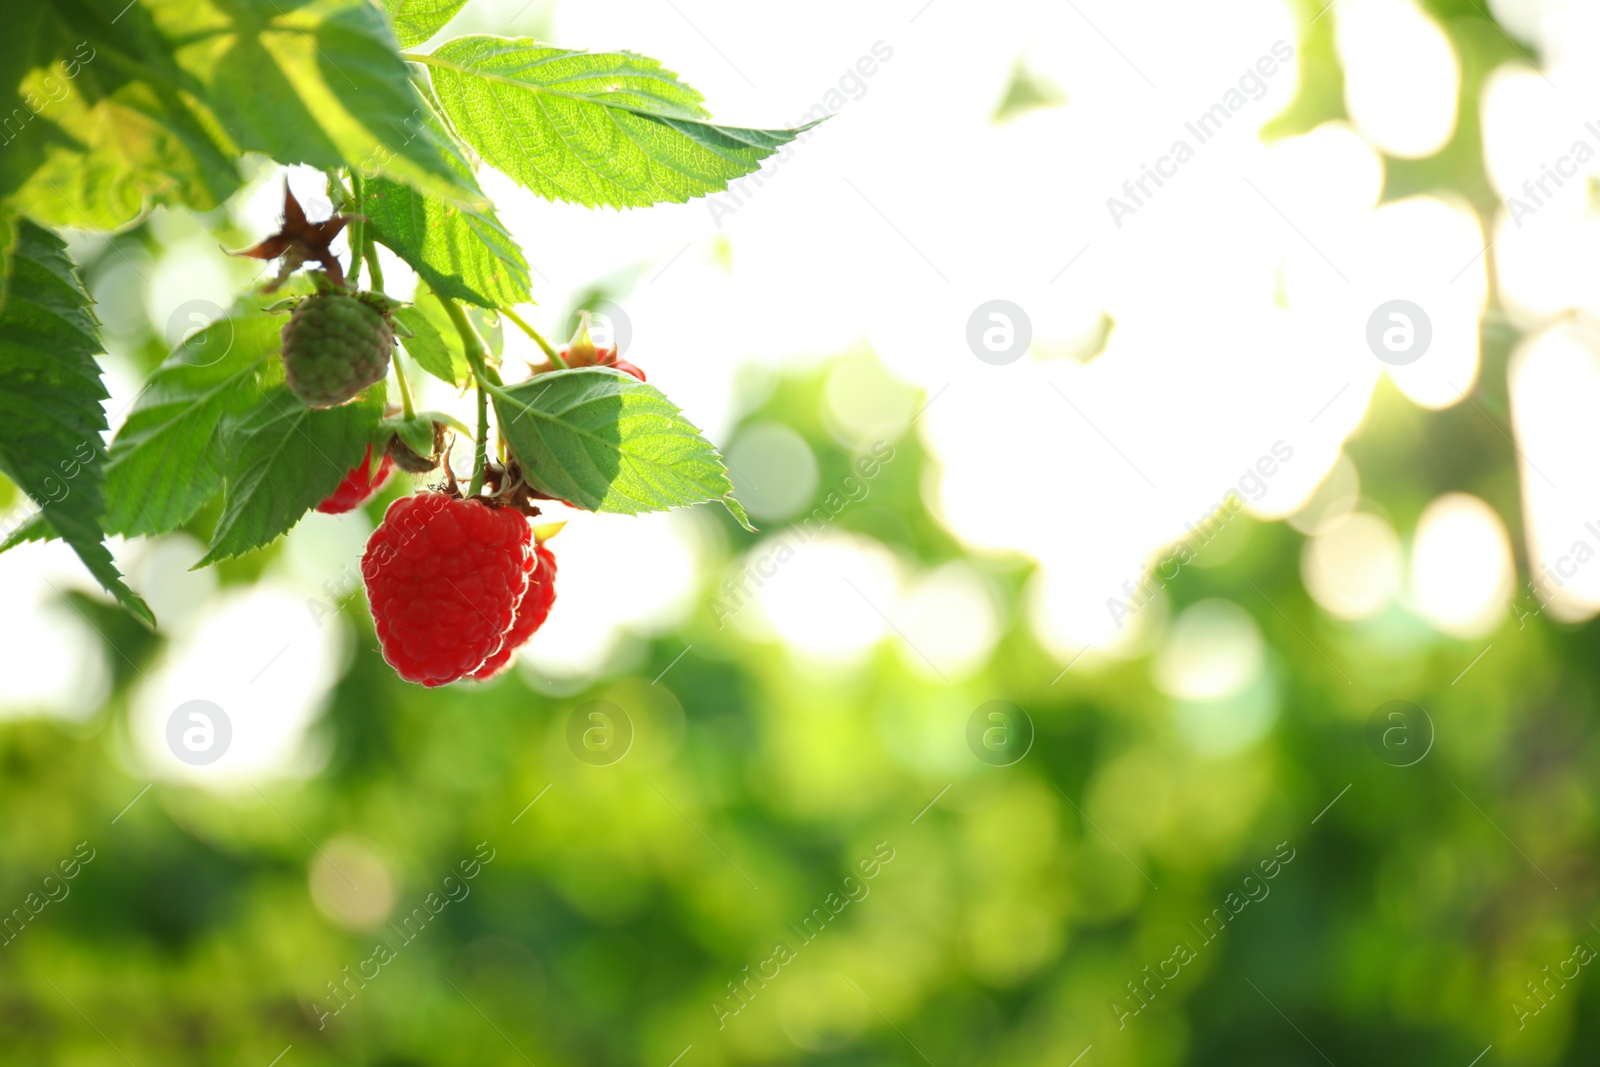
{"points": [[455, 586]]}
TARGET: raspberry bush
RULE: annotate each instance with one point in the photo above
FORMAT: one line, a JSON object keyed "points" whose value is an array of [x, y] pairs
{"points": [[308, 405]]}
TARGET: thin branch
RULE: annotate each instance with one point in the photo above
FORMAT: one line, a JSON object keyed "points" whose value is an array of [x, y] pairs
{"points": [[550, 353], [372, 262], [480, 455], [356, 232], [486, 377]]}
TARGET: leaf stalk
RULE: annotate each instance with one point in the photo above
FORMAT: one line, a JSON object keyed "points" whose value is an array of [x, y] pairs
{"points": [[480, 456], [372, 262], [550, 353], [405, 387], [355, 233]]}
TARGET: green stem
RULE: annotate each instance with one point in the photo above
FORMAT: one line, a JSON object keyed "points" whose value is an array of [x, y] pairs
{"points": [[480, 457], [449, 420], [355, 234], [473, 345], [336, 185], [405, 388], [373, 264], [554, 356]]}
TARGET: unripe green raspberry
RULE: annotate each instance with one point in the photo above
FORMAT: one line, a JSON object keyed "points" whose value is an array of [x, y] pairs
{"points": [[334, 346]]}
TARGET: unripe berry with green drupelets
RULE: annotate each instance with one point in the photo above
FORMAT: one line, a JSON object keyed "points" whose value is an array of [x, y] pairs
{"points": [[335, 345]]}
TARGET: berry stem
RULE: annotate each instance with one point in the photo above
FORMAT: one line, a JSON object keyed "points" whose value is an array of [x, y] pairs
{"points": [[487, 377], [355, 233], [551, 353], [372, 263], [405, 387], [471, 343], [480, 456]]}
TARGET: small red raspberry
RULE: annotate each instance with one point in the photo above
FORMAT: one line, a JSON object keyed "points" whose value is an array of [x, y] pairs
{"points": [[444, 578], [578, 355], [624, 366], [359, 486], [581, 351], [531, 613]]}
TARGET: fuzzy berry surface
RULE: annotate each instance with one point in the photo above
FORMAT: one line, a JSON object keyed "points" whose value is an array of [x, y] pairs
{"points": [[334, 346], [444, 578], [359, 486], [531, 613]]}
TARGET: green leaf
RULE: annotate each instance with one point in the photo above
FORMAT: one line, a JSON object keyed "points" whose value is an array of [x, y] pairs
{"points": [[8, 237], [415, 21], [460, 252], [283, 460], [318, 82], [168, 459], [155, 101], [1028, 91], [434, 342], [50, 394], [602, 128], [34, 528], [99, 130], [606, 441]]}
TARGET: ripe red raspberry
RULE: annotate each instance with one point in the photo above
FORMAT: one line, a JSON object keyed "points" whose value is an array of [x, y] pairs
{"points": [[444, 578], [359, 486], [531, 613]]}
